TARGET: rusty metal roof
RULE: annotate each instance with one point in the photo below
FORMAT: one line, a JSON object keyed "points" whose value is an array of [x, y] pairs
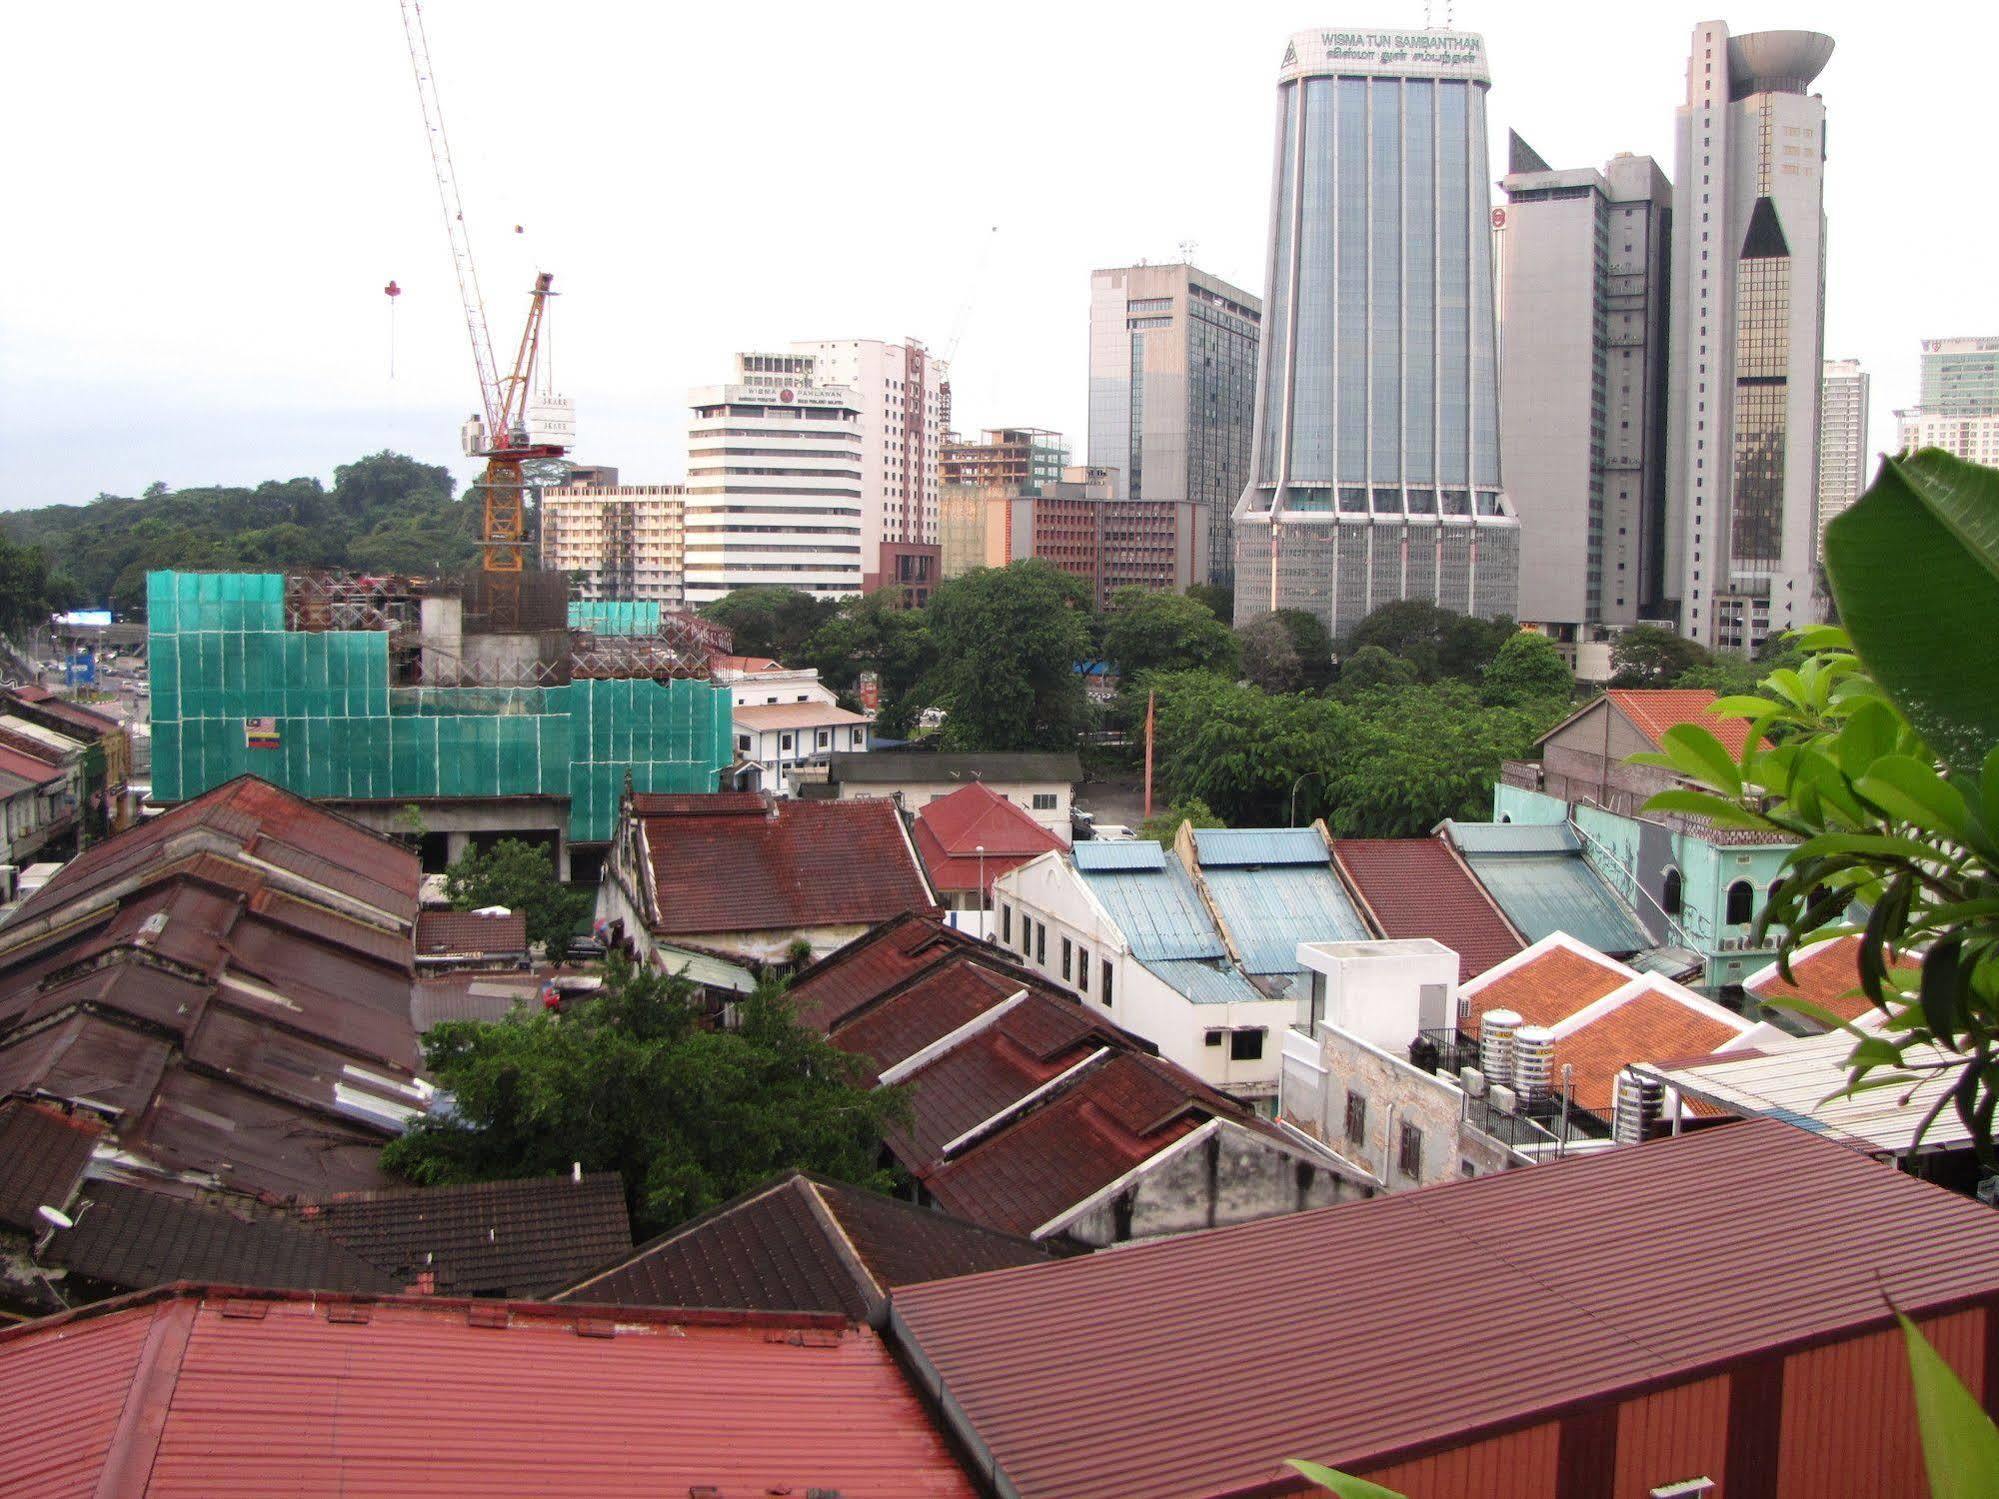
{"points": [[461, 934], [1416, 887], [1569, 1282], [43, 1151], [261, 1393], [802, 1243]]}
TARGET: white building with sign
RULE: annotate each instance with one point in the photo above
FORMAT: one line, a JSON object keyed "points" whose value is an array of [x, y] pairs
{"points": [[774, 483]]}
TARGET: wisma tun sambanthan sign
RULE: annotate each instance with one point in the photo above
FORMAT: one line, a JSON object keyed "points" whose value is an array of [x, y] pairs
{"points": [[1401, 54]]}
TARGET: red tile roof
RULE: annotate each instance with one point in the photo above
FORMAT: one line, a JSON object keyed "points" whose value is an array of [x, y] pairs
{"points": [[310, 1394], [866, 968], [1653, 710], [802, 1243], [1652, 1025], [731, 862], [1827, 974], [1092, 1376], [449, 934], [949, 832], [1547, 987], [1417, 887]]}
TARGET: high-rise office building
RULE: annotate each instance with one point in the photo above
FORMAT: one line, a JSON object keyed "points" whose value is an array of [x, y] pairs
{"points": [[1960, 376], [1748, 336], [1375, 475], [1842, 437], [1960, 406], [774, 482], [1172, 392], [905, 413], [1583, 259]]}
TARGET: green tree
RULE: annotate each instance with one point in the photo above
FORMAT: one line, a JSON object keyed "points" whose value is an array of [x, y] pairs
{"points": [[874, 633], [1219, 597], [1529, 667], [1007, 640], [1418, 754], [1653, 656], [1436, 641], [1161, 827], [521, 877], [29, 592], [1373, 666], [1269, 657], [1148, 630], [1240, 750], [632, 1081], [769, 621]]}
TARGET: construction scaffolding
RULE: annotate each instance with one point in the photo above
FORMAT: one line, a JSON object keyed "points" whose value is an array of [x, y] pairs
{"points": [[253, 673]]}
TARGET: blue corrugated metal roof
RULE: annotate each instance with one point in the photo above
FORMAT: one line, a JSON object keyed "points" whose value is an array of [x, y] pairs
{"points": [[1546, 885], [1225, 847], [1094, 854], [1513, 837], [1207, 983], [1269, 911], [1157, 908]]}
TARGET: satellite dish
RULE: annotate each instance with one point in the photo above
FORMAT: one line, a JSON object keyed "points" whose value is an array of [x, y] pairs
{"points": [[56, 1217]]}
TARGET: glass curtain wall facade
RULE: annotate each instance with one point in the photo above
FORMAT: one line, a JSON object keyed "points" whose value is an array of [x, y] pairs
{"points": [[1377, 442]]}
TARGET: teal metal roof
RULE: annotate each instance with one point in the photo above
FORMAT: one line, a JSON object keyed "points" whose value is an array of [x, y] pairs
{"points": [[1205, 983], [1155, 905], [1220, 848], [706, 969], [1094, 854], [1269, 911], [1548, 889]]}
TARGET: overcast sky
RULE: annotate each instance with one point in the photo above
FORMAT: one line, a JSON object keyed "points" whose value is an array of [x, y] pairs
{"points": [[207, 199]]}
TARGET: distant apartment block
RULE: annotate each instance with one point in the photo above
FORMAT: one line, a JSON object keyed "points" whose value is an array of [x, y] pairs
{"points": [[1173, 355], [776, 482], [619, 541], [1582, 262], [1842, 437], [1960, 400], [1081, 527], [902, 397]]}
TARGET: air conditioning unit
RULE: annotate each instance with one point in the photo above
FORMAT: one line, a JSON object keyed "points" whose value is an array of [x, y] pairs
{"points": [[1214, 1038]]}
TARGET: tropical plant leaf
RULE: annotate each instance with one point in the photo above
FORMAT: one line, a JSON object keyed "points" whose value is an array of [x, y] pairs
{"points": [[1913, 562], [1705, 804], [1905, 788], [1699, 754], [1343, 1484], [1960, 1443]]}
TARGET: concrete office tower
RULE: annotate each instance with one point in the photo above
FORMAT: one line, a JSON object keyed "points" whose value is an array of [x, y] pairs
{"points": [[1960, 376], [1960, 407], [1375, 472], [1172, 393], [623, 541], [1748, 337], [774, 482], [1583, 258], [905, 413], [1842, 437]]}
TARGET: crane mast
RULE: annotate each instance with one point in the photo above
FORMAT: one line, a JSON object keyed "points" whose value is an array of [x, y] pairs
{"points": [[503, 400]]}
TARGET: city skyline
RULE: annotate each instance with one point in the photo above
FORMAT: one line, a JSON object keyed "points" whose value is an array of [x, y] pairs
{"points": [[251, 340]]}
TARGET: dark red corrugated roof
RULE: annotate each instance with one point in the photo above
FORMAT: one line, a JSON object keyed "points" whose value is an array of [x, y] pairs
{"points": [[1416, 887], [802, 1243], [956, 990], [42, 1155], [869, 966], [949, 832], [265, 1393], [727, 862], [1583, 1278], [449, 934]]}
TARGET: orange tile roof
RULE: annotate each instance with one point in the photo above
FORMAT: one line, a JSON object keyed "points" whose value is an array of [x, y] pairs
{"points": [[1548, 989], [1644, 1028], [1653, 710], [1828, 975]]}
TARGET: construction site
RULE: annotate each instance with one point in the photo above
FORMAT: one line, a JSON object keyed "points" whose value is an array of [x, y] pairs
{"points": [[376, 694]]}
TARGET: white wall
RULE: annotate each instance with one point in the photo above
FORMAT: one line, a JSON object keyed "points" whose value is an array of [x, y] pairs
{"points": [[1050, 892], [1376, 989]]}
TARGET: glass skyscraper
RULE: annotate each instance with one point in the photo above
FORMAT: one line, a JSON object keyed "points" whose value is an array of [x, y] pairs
{"points": [[1376, 473]]}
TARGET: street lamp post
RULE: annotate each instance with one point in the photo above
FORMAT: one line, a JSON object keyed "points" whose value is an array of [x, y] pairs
{"points": [[981, 851], [1292, 820]]}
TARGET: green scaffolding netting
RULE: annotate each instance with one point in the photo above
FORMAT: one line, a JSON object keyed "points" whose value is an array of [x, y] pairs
{"points": [[615, 616], [235, 692]]}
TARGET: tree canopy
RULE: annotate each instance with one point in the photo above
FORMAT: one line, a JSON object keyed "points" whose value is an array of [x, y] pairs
{"points": [[29, 591], [633, 1081], [874, 633], [1007, 642], [386, 513], [1437, 642], [1653, 656], [1529, 667], [1269, 657], [521, 877], [1148, 630], [771, 621], [1161, 827]]}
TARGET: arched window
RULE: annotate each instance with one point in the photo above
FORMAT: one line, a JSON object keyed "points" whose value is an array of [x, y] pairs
{"points": [[1506, 817], [1669, 898], [1741, 903]]}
